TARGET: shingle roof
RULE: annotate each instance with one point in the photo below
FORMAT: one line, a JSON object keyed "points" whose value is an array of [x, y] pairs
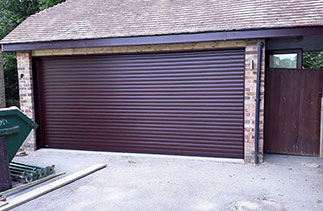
{"points": [[89, 19]]}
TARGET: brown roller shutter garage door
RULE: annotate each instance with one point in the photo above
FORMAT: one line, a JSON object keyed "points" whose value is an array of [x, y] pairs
{"points": [[186, 103]]}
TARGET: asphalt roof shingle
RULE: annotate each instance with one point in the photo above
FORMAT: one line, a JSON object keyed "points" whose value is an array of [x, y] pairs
{"points": [[90, 19]]}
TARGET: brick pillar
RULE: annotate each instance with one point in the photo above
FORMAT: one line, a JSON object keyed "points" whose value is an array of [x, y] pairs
{"points": [[26, 94], [250, 103], [2, 86]]}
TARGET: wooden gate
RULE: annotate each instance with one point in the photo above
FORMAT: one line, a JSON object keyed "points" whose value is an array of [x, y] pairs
{"points": [[292, 111]]}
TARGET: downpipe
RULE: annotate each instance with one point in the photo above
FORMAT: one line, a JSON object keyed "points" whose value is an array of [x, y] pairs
{"points": [[259, 61]]}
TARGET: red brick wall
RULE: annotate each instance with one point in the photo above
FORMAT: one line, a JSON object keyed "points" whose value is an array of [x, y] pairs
{"points": [[26, 94], [250, 103]]}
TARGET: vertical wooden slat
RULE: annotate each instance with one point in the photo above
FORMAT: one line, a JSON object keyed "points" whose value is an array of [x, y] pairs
{"points": [[292, 111]]}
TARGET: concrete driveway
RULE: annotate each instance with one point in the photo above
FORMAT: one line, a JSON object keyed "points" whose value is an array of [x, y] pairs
{"points": [[154, 182]]}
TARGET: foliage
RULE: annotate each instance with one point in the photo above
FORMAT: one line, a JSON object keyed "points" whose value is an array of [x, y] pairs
{"points": [[44, 4], [12, 13], [11, 76], [287, 63], [313, 60]]}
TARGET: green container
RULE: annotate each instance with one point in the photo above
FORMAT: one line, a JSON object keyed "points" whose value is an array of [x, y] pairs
{"points": [[15, 127]]}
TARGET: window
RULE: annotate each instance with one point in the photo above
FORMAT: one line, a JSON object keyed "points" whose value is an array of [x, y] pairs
{"points": [[285, 59]]}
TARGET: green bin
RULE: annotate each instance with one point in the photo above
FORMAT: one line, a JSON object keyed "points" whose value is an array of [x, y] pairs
{"points": [[15, 127]]}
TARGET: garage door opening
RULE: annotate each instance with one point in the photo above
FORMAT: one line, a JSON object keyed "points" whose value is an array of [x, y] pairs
{"points": [[180, 103]]}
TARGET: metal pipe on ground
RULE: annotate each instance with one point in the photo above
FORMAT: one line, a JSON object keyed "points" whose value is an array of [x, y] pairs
{"points": [[23, 167], [25, 164]]}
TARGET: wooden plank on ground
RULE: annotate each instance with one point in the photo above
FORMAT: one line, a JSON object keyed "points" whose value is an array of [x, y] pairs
{"points": [[33, 194], [29, 184], [3, 203]]}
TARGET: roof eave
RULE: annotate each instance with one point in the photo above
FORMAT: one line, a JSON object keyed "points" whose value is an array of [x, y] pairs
{"points": [[165, 39]]}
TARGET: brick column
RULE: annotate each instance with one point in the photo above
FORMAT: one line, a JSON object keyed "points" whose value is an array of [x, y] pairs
{"points": [[2, 86], [26, 94], [250, 103]]}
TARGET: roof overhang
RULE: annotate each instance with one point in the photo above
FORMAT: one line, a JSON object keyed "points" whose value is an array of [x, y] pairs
{"points": [[165, 39]]}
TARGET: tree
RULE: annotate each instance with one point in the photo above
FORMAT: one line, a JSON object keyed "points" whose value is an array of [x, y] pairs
{"points": [[313, 60], [44, 4], [12, 13]]}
